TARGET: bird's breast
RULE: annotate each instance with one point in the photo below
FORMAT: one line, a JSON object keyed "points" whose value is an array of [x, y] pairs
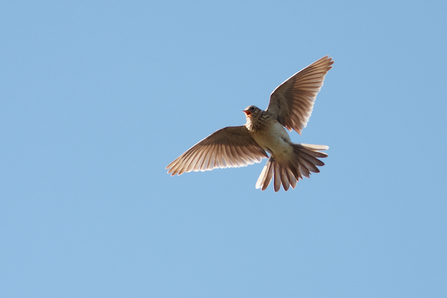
{"points": [[274, 139]]}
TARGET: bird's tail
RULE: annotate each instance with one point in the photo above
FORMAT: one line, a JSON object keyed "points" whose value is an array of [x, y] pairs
{"points": [[305, 160]]}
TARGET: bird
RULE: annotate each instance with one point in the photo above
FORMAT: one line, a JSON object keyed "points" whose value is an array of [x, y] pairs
{"points": [[264, 132]]}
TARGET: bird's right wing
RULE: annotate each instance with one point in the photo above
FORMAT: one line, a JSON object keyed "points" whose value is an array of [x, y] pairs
{"points": [[226, 148]]}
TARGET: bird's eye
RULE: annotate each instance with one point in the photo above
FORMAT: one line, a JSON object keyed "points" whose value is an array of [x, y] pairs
{"points": [[251, 109]]}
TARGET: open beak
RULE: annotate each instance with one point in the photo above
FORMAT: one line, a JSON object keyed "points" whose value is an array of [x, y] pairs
{"points": [[247, 112]]}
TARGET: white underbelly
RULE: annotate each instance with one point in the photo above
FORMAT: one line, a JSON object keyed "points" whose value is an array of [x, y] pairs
{"points": [[275, 140]]}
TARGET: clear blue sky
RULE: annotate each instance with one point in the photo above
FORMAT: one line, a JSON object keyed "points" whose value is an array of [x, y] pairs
{"points": [[97, 97]]}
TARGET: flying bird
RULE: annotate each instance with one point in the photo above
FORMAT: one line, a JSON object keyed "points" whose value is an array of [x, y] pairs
{"points": [[290, 107]]}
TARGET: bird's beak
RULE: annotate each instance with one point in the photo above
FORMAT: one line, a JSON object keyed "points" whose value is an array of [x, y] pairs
{"points": [[247, 112]]}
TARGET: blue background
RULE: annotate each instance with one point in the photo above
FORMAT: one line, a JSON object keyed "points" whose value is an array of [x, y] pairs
{"points": [[97, 97]]}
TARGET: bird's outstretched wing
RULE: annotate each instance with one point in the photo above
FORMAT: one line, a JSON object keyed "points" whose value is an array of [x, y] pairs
{"points": [[227, 147], [292, 101]]}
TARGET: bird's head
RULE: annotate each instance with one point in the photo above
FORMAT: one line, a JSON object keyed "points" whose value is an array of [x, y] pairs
{"points": [[252, 112]]}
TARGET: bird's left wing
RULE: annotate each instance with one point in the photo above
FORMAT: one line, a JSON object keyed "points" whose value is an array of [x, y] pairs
{"points": [[292, 101], [228, 147]]}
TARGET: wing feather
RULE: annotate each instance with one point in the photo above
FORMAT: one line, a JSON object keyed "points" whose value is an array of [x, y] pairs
{"points": [[228, 147], [292, 102]]}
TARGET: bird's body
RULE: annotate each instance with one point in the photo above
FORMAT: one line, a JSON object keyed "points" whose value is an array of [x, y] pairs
{"points": [[271, 136], [290, 107]]}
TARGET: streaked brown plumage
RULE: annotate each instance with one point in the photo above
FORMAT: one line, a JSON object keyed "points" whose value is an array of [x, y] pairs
{"points": [[290, 106]]}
